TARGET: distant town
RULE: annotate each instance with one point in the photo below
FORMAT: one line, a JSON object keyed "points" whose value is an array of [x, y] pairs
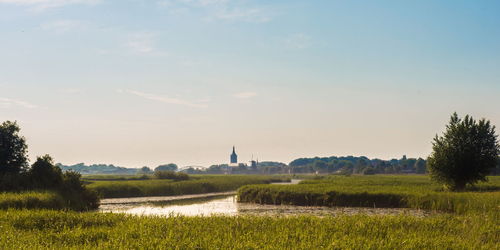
{"points": [[315, 165]]}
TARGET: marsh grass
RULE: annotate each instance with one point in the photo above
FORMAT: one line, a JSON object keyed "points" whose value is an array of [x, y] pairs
{"points": [[62, 230], [31, 199], [164, 187], [377, 191]]}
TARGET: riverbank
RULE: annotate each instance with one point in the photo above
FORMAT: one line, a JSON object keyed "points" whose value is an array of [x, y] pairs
{"points": [[416, 192], [225, 204], [161, 187]]}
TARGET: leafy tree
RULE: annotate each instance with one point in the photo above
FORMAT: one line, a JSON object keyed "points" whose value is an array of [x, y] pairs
{"points": [[319, 166], [13, 149], [420, 166], [76, 194], [167, 167], [144, 170], [44, 174], [466, 152], [369, 171]]}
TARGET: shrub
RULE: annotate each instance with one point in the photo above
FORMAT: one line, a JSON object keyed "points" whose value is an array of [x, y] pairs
{"points": [[44, 175], [171, 175], [77, 196], [369, 171]]}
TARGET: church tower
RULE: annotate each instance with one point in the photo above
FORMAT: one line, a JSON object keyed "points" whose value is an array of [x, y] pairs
{"points": [[234, 157]]}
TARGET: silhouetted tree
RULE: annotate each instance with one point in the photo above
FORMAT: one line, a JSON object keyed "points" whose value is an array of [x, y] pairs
{"points": [[369, 171], [144, 170], [13, 149], [167, 167], [466, 152], [420, 166], [44, 174]]}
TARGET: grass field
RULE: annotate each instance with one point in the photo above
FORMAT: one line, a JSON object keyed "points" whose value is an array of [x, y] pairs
{"points": [[472, 227], [32, 199], [377, 191], [120, 188], [63, 230]]}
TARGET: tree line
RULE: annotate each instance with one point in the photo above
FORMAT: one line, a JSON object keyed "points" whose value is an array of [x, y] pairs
{"points": [[17, 175]]}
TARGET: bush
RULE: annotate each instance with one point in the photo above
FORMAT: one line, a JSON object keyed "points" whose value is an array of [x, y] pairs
{"points": [[14, 182], [369, 171], [44, 175], [171, 175], [77, 196]]}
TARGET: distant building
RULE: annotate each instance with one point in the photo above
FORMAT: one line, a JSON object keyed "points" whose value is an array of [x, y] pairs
{"points": [[234, 157], [253, 164]]}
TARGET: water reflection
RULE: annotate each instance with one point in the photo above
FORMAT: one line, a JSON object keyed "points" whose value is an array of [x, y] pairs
{"points": [[228, 205]]}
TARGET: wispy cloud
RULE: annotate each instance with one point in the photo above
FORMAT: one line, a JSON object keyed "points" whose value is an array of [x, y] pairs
{"points": [[194, 3], [167, 100], [253, 15], [142, 43], [40, 5], [298, 41], [7, 103], [229, 10], [61, 26], [244, 95]]}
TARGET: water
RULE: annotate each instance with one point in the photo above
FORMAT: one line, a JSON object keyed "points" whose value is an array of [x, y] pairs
{"points": [[226, 204]]}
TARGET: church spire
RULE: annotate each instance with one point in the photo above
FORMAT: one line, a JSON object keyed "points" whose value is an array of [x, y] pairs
{"points": [[234, 157]]}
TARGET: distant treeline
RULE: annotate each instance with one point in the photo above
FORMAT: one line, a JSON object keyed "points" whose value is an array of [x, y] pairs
{"points": [[363, 165], [339, 165], [112, 169], [265, 167], [97, 169], [359, 165]]}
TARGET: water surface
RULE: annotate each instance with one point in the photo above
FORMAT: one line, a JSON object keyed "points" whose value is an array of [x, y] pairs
{"points": [[224, 204]]}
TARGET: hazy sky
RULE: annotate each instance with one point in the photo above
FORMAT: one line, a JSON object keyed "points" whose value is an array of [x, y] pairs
{"points": [[137, 83]]}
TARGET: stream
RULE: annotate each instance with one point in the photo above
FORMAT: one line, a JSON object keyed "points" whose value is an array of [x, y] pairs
{"points": [[226, 204]]}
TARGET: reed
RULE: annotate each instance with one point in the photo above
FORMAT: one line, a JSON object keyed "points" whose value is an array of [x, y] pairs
{"points": [[165, 187], [32, 200], [377, 191], [69, 230]]}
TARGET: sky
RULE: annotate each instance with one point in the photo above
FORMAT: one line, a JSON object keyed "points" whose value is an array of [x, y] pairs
{"points": [[141, 83]]}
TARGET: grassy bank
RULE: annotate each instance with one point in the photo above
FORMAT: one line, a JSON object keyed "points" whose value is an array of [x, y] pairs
{"points": [[377, 191], [32, 200], [62, 230], [156, 187]]}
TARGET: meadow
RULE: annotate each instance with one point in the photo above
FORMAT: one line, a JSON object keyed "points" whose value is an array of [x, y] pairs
{"points": [[64, 230], [131, 186], [122, 188], [378, 191], [470, 227], [32, 199]]}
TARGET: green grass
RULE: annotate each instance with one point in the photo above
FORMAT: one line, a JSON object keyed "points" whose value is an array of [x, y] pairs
{"points": [[475, 226], [377, 191], [31, 200], [112, 177], [69, 230], [158, 187]]}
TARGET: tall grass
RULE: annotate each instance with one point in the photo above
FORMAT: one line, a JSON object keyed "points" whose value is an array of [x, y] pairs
{"points": [[63, 230], [158, 187], [377, 191], [31, 200]]}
